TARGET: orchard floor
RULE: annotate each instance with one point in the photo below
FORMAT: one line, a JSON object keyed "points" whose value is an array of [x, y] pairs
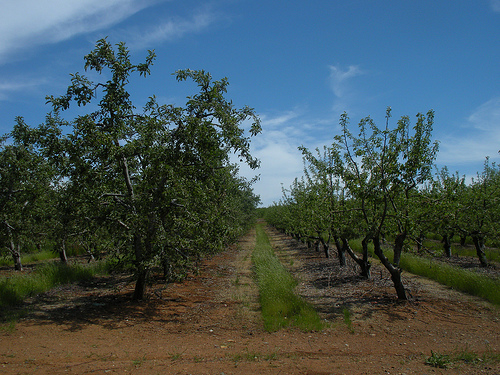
{"points": [[210, 324]]}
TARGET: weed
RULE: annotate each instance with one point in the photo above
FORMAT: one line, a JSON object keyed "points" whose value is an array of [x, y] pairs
{"points": [[438, 360], [176, 356], [271, 356], [236, 282], [467, 356], [464, 355], [347, 319], [8, 327], [140, 361]]}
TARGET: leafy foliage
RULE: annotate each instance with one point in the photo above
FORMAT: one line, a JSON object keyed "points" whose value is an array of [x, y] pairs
{"points": [[148, 187]]}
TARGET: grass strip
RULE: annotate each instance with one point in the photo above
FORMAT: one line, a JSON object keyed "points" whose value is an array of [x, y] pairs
{"points": [[14, 289], [463, 280], [281, 307], [466, 281], [7, 261]]}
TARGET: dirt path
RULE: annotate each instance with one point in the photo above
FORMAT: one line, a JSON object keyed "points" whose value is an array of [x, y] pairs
{"points": [[210, 324]]}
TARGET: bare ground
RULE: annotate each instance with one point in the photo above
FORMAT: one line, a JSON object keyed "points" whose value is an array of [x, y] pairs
{"points": [[210, 324]]}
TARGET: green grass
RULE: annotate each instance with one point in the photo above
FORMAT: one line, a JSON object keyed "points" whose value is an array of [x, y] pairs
{"points": [[492, 254], [7, 261], [460, 279], [13, 290], [347, 319], [281, 307], [464, 355], [438, 360], [464, 280]]}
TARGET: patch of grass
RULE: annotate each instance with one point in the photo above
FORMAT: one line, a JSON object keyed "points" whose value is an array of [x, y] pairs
{"points": [[13, 290], [9, 326], [460, 279], [492, 253], [236, 281], [347, 319], [6, 261], [438, 360], [464, 355], [140, 361], [177, 355], [38, 257], [466, 281], [280, 306]]}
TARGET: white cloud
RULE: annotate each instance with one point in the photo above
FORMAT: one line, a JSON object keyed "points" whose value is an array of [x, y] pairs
{"points": [[28, 23], [281, 163], [170, 29], [480, 137], [495, 5], [487, 116], [277, 149], [342, 87], [278, 120], [340, 77], [6, 87]]}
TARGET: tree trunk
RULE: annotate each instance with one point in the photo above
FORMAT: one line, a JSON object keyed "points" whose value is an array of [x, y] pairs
{"points": [[366, 265], [325, 248], [363, 263], [479, 245], [398, 247], [140, 284], [340, 251], [62, 251], [394, 271], [420, 242], [16, 256], [15, 251], [447, 245], [463, 239], [316, 246]]}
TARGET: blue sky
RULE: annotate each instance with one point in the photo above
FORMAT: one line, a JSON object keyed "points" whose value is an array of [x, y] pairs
{"points": [[300, 64]]}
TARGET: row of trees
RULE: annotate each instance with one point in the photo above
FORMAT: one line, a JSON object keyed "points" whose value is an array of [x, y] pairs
{"points": [[146, 187], [379, 185]]}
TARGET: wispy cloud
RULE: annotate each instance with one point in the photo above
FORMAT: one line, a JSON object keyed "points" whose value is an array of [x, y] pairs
{"points": [[339, 78], [170, 29], [480, 137], [495, 5], [9, 87], [277, 148], [28, 23], [341, 86], [281, 119]]}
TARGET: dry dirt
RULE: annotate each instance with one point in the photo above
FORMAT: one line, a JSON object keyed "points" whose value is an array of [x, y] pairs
{"points": [[210, 324]]}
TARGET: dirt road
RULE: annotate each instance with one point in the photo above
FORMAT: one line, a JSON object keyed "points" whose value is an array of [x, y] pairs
{"points": [[210, 324]]}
